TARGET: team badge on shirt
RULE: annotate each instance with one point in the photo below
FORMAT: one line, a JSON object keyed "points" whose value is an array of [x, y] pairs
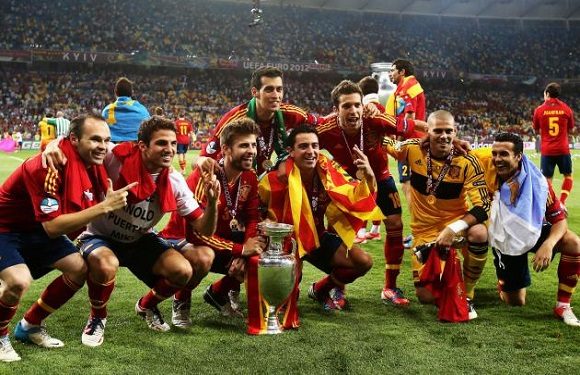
{"points": [[210, 148], [88, 195], [48, 205]]}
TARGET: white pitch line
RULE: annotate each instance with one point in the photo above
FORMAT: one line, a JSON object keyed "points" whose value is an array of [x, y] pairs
{"points": [[16, 158]]}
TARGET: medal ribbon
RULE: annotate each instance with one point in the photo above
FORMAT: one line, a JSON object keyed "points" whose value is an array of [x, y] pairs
{"points": [[431, 188], [229, 203]]}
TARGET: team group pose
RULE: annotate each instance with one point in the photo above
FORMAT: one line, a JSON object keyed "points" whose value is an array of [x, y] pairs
{"points": [[105, 183]]}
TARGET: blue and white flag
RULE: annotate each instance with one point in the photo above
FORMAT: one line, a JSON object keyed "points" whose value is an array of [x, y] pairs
{"points": [[518, 211]]}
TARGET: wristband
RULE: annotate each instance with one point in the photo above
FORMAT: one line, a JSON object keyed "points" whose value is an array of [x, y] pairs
{"points": [[458, 226]]}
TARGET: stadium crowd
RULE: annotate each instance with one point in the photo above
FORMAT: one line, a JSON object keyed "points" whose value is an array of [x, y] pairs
{"points": [[197, 28]]}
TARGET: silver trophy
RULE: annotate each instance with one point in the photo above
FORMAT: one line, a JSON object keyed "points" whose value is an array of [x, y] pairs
{"points": [[276, 271], [381, 72]]}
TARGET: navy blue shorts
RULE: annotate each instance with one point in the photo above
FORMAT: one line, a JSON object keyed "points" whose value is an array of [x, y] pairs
{"points": [[139, 256], [513, 270], [404, 171], [548, 164], [388, 198], [321, 258], [36, 250], [182, 148]]}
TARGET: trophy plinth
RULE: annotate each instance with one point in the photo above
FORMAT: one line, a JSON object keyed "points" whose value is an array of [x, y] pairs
{"points": [[276, 272]]}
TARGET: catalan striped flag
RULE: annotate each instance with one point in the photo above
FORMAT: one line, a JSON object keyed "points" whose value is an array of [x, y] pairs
{"points": [[352, 203]]}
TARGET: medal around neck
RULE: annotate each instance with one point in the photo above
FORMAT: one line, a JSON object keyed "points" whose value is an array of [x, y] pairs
{"points": [[276, 271]]}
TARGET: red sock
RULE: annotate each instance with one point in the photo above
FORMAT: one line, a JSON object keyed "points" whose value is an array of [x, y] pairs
{"points": [[99, 295], [568, 273], [566, 188], [161, 291], [393, 251], [184, 295], [54, 296], [224, 285], [324, 285], [7, 312], [344, 275]]}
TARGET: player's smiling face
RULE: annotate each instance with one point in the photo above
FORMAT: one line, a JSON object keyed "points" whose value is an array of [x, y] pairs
{"points": [[505, 160], [159, 153], [242, 152], [441, 135], [92, 146], [269, 95], [305, 151], [349, 110]]}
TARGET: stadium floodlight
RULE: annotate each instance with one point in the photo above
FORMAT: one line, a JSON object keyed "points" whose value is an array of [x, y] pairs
{"points": [[381, 72]]}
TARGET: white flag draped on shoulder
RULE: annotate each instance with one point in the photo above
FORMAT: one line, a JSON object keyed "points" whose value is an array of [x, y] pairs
{"points": [[518, 211]]}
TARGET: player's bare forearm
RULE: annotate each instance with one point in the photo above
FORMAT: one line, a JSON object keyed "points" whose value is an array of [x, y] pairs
{"points": [[68, 223], [206, 224]]}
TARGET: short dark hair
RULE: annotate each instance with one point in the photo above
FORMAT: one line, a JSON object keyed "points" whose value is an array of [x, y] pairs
{"points": [[77, 124], [123, 87], [345, 87], [368, 85], [404, 64], [512, 138], [553, 89], [158, 111], [267, 71], [243, 126], [300, 129], [153, 124]]}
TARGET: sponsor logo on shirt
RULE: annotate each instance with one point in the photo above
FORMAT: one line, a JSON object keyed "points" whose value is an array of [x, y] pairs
{"points": [[88, 195], [48, 205]]}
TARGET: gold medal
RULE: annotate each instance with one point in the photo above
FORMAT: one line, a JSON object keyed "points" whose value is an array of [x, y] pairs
{"points": [[234, 225], [360, 174], [267, 164], [431, 199]]}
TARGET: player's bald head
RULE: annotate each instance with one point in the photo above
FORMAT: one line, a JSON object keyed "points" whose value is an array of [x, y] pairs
{"points": [[440, 116]]}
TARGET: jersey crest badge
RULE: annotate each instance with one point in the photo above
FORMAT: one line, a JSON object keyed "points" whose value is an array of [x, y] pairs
{"points": [[210, 148]]}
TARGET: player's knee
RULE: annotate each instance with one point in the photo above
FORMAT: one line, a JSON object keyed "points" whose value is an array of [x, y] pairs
{"points": [[477, 233], [516, 298], [363, 262], [570, 243], [204, 257], [15, 288], [103, 268], [180, 273], [394, 223]]}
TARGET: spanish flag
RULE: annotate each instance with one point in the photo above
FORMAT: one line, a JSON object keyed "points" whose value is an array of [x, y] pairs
{"points": [[408, 89], [352, 203]]}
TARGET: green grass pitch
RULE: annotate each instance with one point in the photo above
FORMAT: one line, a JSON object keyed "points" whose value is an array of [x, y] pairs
{"points": [[370, 338]]}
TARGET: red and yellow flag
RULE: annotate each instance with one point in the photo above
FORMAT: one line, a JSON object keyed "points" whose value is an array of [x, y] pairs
{"points": [[352, 203], [408, 89]]}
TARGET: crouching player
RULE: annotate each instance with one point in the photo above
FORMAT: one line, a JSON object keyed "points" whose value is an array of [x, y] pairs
{"points": [[235, 239], [527, 217]]}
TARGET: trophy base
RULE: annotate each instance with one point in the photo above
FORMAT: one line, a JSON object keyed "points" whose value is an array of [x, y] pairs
{"points": [[272, 325]]}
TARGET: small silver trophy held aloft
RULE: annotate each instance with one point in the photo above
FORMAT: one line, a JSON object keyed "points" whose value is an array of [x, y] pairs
{"points": [[276, 271]]}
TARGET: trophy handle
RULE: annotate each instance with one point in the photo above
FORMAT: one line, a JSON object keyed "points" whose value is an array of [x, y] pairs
{"points": [[294, 247]]}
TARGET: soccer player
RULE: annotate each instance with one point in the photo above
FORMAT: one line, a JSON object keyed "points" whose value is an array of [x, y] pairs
{"points": [[272, 116], [440, 182], [125, 237], [552, 121], [38, 207], [184, 138], [125, 114], [526, 216], [408, 101], [235, 239], [47, 132], [338, 134], [316, 188]]}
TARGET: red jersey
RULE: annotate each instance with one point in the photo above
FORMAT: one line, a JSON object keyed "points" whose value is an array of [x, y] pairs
{"points": [[247, 214], [32, 195], [184, 129], [552, 120], [292, 115], [409, 97], [339, 144]]}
